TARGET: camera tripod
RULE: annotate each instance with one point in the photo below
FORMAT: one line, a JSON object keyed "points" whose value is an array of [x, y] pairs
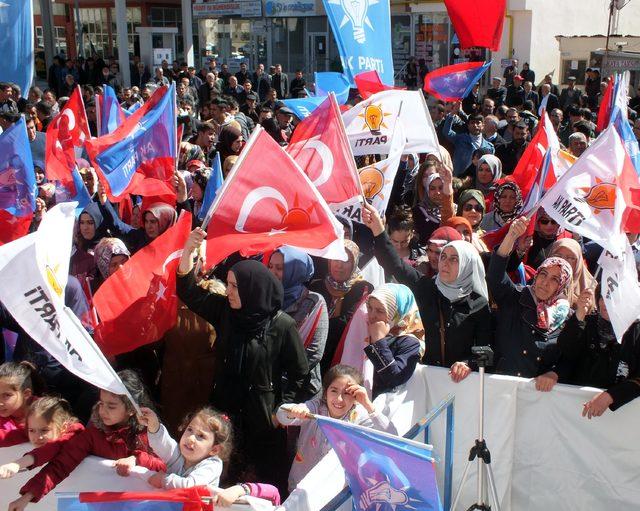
{"points": [[484, 357]]}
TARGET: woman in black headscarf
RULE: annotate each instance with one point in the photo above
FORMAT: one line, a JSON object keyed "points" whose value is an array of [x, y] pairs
{"points": [[90, 229], [257, 344]]}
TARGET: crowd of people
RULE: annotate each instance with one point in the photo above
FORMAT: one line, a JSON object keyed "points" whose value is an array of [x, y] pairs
{"points": [[263, 343]]}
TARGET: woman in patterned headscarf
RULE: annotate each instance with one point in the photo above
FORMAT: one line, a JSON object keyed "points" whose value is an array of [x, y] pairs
{"points": [[529, 319], [156, 219], [343, 288], [507, 206]]}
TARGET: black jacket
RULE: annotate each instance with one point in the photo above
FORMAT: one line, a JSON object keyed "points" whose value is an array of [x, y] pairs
{"points": [[466, 323], [612, 366], [280, 82], [261, 84], [253, 392], [337, 324], [522, 349], [510, 154]]}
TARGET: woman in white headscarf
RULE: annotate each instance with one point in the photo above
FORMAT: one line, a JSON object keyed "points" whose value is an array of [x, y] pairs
{"points": [[461, 273]]}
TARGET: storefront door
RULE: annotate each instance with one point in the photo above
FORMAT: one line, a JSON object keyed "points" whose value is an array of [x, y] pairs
{"points": [[317, 52]]}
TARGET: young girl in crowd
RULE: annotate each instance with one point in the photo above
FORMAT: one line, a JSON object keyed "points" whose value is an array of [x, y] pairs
{"points": [[19, 385], [114, 433], [344, 398], [50, 424], [197, 459]]}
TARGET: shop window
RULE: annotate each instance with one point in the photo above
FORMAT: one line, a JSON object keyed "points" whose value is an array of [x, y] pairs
{"points": [[432, 39], [574, 67]]}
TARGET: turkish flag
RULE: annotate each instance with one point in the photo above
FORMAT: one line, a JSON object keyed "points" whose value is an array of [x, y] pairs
{"points": [[530, 163], [13, 227], [321, 147], [369, 83], [266, 202], [606, 106], [67, 130], [137, 304], [478, 23]]}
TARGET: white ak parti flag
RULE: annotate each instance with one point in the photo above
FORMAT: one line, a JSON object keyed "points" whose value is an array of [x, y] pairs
{"points": [[620, 289], [377, 179], [34, 272], [591, 198], [370, 124]]}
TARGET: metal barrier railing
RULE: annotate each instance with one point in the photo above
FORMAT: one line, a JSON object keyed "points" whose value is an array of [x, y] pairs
{"points": [[422, 425]]}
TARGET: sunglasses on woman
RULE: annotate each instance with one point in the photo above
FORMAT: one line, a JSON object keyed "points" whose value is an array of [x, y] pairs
{"points": [[471, 207], [547, 221]]}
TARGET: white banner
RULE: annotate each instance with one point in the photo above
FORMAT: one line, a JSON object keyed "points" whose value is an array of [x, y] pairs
{"points": [[33, 273], [370, 123], [587, 199], [620, 289]]}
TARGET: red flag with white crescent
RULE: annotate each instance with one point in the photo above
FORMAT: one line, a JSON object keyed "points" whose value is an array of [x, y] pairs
{"points": [[266, 202], [137, 304], [321, 147], [530, 163], [67, 130]]}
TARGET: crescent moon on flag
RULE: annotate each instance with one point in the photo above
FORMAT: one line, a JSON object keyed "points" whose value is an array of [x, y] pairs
{"points": [[325, 155], [252, 198], [71, 117]]}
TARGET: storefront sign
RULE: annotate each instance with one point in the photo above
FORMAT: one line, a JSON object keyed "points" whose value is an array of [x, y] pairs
{"points": [[216, 8], [285, 8], [160, 54]]}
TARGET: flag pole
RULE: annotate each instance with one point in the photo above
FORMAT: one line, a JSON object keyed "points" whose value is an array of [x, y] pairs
{"points": [[74, 319], [309, 415]]}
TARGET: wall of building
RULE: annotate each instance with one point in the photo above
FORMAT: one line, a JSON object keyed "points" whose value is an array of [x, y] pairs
{"points": [[536, 23]]}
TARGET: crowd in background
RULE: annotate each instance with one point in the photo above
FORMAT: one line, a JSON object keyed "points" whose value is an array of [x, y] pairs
{"points": [[261, 343]]}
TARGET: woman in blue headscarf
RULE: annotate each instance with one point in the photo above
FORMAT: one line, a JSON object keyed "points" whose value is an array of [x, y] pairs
{"points": [[395, 332], [294, 269]]}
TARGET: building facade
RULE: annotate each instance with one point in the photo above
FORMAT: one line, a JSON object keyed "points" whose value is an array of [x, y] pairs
{"points": [[562, 38]]}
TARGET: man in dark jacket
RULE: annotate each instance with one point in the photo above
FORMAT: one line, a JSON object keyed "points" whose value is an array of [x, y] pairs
{"points": [[141, 75], [243, 74], [511, 153], [261, 82], [531, 95], [298, 84], [570, 96], [515, 92], [280, 82], [548, 100], [497, 92]]}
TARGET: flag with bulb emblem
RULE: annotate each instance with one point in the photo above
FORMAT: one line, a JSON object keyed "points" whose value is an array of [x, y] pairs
{"points": [[384, 471], [371, 123], [362, 29]]}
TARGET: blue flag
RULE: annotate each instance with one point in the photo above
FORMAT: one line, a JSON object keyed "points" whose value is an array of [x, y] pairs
{"points": [[16, 41], [362, 29], [82, 197], [213, 185], [333, 82], [129, 111], [17, 177], [383, 471], [303, 107], [110, 113], [451, 83], [139, 157], [620, 121]]}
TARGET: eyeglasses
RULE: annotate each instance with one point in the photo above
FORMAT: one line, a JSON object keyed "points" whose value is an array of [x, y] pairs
{"points": [[471, 207], [547, 221]]}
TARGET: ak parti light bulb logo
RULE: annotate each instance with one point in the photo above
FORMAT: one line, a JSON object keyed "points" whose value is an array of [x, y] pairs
{"points": [[373, 118]]}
